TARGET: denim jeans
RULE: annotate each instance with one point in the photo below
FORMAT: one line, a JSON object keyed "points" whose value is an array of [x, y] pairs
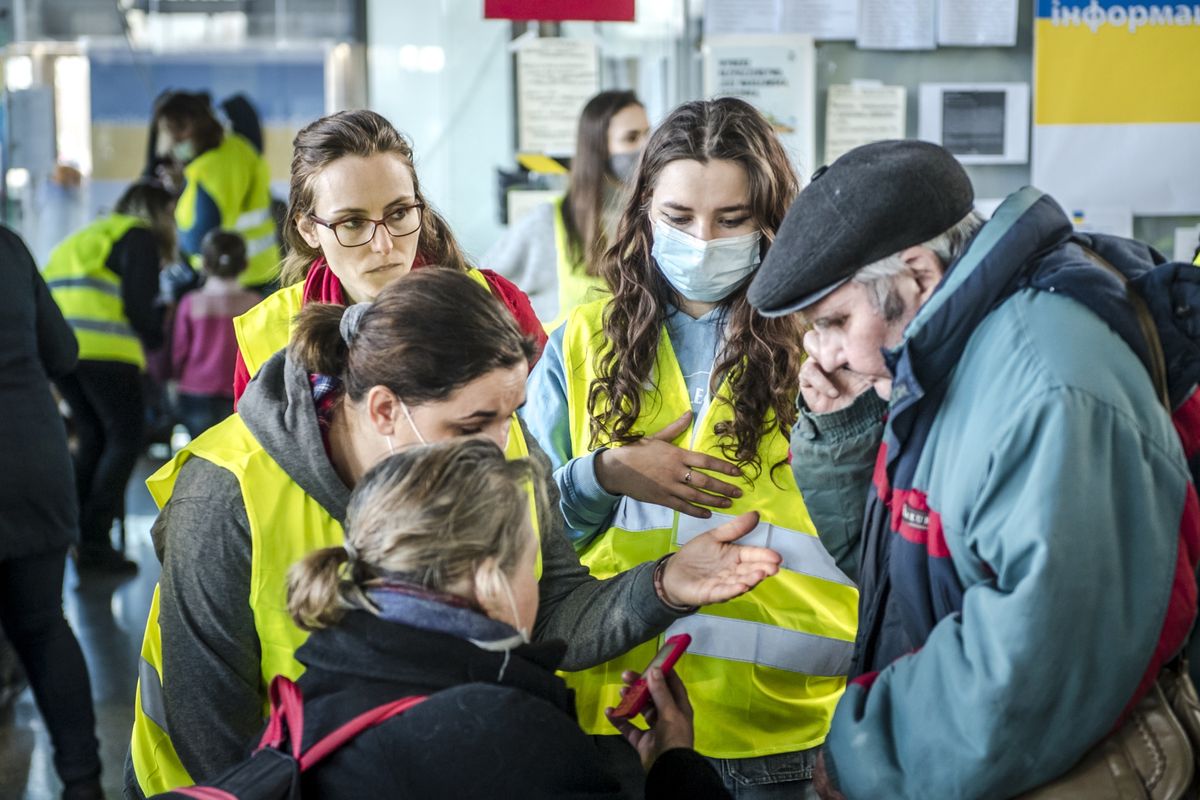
{"points": [[784, 775], [200, 412]]}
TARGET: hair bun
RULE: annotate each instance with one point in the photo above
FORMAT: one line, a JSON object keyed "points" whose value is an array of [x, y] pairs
{"points": [[352, 320]]}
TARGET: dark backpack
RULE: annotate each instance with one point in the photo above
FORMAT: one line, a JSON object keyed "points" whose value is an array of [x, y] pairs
{"points": [[1168, 294], [272, 772]]}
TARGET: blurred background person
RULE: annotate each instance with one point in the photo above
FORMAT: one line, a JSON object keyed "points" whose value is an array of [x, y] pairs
{"points": [[203, 345], [41, 516], [104, 278], [553, 252], [226, 184], [435, 593]]}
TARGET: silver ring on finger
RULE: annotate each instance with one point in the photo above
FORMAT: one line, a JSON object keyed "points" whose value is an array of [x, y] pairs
{"points": [[687, 478]]}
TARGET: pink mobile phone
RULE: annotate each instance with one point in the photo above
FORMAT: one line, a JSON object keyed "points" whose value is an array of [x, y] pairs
{"points": [[639, 693]]}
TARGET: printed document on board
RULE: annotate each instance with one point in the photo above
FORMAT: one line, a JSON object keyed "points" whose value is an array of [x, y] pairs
{"points": [[896, 24]]}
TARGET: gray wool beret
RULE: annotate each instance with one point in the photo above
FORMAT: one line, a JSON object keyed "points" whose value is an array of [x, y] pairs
{"points": [[874, 201]]}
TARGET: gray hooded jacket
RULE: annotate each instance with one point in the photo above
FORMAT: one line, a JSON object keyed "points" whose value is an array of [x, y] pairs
{"points": [[211, 654]]}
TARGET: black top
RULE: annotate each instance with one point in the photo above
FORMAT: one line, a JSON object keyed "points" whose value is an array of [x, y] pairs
{"points": [[37, 489], [489, 729], [135, 259]]}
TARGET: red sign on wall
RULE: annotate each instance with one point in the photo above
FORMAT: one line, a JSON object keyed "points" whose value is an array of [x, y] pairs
{"points": [[557, 10]]}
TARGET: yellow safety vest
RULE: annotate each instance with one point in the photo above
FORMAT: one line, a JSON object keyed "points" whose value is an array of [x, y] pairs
{"points": [[89, 294], [267, 328], [238, 180], [764, 671], [286, 524], [575, 286]]}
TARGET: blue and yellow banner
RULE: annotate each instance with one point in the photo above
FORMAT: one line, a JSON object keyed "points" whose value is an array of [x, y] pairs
{"points": [[1107, 62], [1117, 106]]}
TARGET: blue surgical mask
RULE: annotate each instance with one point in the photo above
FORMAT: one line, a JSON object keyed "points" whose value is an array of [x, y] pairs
{"points": [[621, 164], [704, 271], [184, 151]]}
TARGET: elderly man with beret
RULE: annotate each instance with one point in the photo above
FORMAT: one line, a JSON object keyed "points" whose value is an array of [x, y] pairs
{"points": [[982, 443]]}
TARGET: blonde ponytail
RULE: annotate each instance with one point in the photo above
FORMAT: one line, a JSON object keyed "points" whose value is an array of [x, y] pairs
{"points": [[315, 597]]}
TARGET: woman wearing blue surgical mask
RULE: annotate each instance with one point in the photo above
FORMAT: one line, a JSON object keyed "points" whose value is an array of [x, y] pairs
{"points": [[226, 184], [670, 404], [554, 252]]}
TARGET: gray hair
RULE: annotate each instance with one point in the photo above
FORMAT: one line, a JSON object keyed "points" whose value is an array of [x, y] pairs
{"points": [[431, 514], [879, 277]]}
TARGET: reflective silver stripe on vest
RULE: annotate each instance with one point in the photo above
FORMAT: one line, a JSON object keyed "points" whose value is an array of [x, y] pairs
{"points": [[801, 552], [115, 328], [252, 219], [152, 694], [634, 515], [260, 244], [108, 287], [768, 645]]}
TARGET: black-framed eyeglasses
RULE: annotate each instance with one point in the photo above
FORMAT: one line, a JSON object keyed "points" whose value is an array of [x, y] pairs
{"points": [[357, 231]]}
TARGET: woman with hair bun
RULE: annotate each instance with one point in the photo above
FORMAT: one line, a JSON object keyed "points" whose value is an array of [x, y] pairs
{"points": [[433, 358]]}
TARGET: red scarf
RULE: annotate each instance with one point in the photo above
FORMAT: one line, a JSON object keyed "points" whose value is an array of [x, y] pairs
{"points": [[322, 286]]}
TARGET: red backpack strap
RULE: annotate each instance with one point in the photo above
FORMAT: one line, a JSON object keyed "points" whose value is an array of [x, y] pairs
{"points": [[365, 720], [287, 706]]}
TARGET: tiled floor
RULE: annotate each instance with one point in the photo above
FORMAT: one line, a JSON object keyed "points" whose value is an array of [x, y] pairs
{"points": [[108, 617]]}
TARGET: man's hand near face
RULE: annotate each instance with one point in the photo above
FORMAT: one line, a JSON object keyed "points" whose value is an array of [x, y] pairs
{"points": [[822, 391]]}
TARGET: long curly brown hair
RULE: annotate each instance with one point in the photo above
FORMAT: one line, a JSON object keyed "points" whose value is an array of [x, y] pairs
{"points": [[761, 356]]}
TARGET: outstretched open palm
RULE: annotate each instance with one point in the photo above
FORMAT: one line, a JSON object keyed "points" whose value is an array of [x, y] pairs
{"points": [[713, 567]]}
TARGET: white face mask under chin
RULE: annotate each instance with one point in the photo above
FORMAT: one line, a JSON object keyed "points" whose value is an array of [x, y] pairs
{"points": [[704, 271]]}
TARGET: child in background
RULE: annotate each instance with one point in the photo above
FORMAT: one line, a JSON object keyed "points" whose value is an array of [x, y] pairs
{"points": [[203, 347]]}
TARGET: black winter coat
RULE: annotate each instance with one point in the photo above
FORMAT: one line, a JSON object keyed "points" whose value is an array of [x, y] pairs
{"points": [[37, 485], [477, 736]]}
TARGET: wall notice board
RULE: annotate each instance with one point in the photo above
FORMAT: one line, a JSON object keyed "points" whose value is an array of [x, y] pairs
{"points": [[841, 62]]}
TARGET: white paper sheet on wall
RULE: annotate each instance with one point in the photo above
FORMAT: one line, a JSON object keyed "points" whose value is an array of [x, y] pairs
{"points": [[724, 17], [1186, 240], [555, 78], [861, 113], [1113, 220], [776, 74], [821, 19], [977, 23], [896, 24]]}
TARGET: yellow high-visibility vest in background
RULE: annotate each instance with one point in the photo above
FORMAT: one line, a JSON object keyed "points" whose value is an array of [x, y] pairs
{"points": [[237, 178], [575, 285], [89, 294], [765, 670]]}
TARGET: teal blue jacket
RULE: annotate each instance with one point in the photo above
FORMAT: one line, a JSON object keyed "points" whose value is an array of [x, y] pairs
{"points": [[1020, 573]]}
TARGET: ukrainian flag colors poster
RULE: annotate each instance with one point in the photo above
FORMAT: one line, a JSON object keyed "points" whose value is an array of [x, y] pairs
{"points": [[1117, 105]]}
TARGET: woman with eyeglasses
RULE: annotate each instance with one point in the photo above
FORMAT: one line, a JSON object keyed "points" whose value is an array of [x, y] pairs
{"points": [[356, 221]]}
